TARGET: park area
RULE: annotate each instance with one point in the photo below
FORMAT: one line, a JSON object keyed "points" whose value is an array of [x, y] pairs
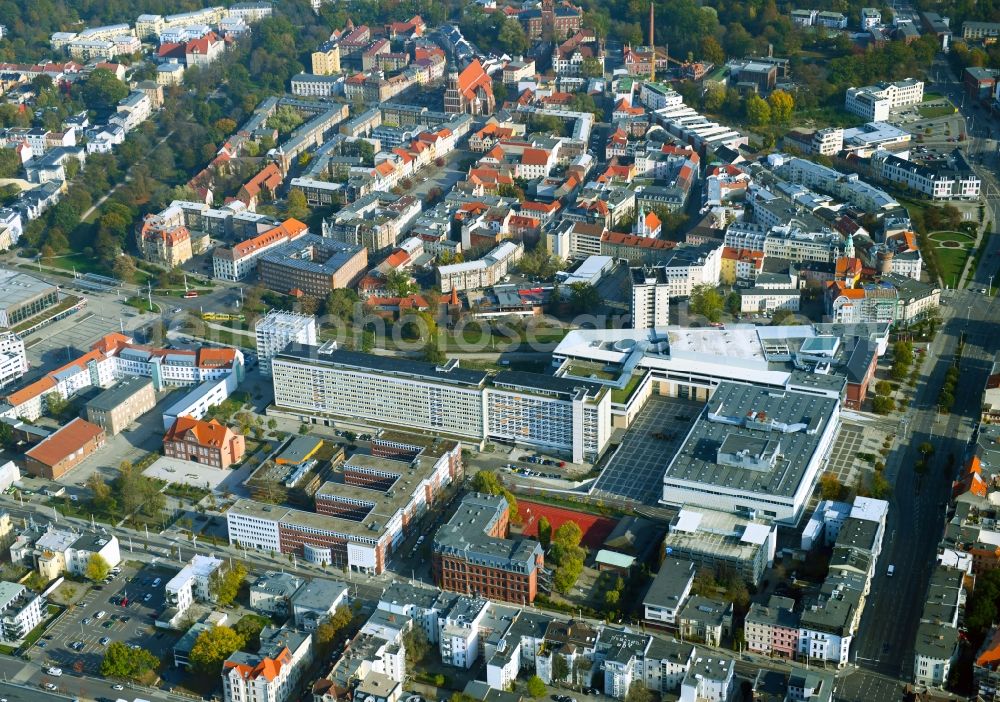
{"points": [[951, 249], [595, 528]]}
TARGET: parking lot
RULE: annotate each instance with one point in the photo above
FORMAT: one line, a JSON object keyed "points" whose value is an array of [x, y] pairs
{"points": [[636, 470], [132, 624]]}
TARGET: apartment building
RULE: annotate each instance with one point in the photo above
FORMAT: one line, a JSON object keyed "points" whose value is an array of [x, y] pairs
{"points": [[557, 414], [312, 265], [316, 601], [121, 404], [873, 103], [481, 273], [273, 673], [163, 243], [981, 31], [13, 360], [564, 415], [650, 297], [376, 221], [192, 582], [953, 180], [310, 85], [209, 443], [277, 330], [326, 59], [668, 592], [773, 629], [21, 611], [472, 553], [271, 593], [239, 261]]}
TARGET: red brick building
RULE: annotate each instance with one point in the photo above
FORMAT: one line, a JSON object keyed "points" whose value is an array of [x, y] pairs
{"points": [[210, 443], [552, 21], [472, 553], [60, 452]]}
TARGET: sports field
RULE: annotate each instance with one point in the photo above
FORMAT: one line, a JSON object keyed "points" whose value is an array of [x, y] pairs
{"points": [[595, 528]]}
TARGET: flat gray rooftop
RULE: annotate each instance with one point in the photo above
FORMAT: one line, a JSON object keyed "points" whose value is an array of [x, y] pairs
{"points": [[737, 414]]}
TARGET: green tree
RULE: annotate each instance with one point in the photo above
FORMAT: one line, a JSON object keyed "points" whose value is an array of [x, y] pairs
{"points": [[224, 583], [296, 206], [121, 662], [544, 532], [830, 487], [57, 405], [536, 687], [560, 668], [883, 387], [211, 648], [637, 692], [591, 68], [584, 298], [10, 163], [706, 301], [97, 568], [285, 119], [400, 284], [734, 303], [417, 645], [340, 303], [782, 104], [511, 39], [102, 90], [711, 51], [926, 449], [882, 404], [568, 535], [124, 268], [880, 488], [757, 110]]}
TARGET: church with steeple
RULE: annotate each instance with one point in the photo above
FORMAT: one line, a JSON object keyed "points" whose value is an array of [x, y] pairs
{"points": [[647, 224]]}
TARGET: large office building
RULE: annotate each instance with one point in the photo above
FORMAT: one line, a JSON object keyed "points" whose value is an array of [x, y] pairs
{"points": [[121, 404], [874, 102], [23, 296], [359, 522], [472, 553], [754, 451], [277, 330], [564, 415], [650, 297], [312, 265]]}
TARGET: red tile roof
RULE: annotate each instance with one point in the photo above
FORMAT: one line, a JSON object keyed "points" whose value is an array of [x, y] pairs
{"points": [[65, 442], [209, 434], [472, 78]]}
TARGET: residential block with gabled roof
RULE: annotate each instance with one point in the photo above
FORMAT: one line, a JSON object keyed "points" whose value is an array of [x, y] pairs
{"points": [[273, 672]]}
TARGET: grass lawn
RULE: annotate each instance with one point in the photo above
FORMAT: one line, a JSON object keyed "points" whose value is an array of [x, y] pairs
{"points": [[936, 111], [620, 396], [142, 304], [77, 262], [951, 260]]}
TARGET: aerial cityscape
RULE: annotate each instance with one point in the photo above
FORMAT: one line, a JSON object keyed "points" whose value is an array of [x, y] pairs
{"points": [[499, 350]]}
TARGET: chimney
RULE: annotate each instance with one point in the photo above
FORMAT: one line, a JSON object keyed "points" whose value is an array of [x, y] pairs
{"points": [[652, 43]]}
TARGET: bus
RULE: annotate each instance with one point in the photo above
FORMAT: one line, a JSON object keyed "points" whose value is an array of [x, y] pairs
{"points": [[189, 294]]}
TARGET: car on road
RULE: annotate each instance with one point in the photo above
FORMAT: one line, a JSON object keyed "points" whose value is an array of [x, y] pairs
{"points": [[891, 571], [50, 687], [117, 686], [54, 672], [148, 597], [156, 583]]}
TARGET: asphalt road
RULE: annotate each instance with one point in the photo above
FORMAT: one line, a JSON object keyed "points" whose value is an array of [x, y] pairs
{"points": [[883, 647]]}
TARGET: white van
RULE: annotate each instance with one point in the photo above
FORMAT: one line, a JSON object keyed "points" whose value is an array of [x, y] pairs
{"points": [[892, 569]]}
